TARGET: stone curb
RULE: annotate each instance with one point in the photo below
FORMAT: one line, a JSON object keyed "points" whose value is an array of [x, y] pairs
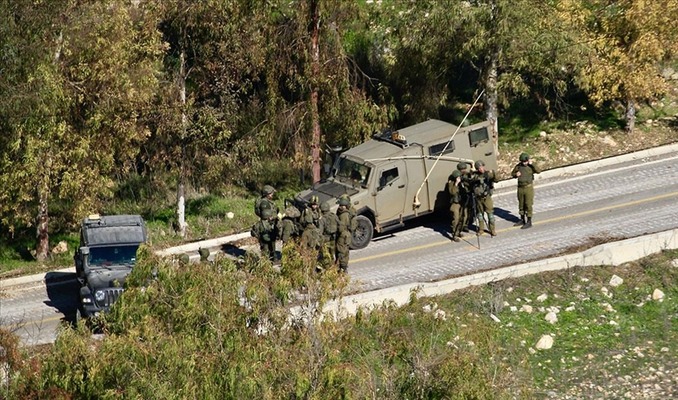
{"points": [[596, 164], [614, 253]]}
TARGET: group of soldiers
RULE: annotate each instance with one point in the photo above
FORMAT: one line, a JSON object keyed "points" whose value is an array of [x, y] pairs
{"points": [[316, 227], [471, 196]]}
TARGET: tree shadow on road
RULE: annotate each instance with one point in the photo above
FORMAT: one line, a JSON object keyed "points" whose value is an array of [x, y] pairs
{"points": [[62, 293]]}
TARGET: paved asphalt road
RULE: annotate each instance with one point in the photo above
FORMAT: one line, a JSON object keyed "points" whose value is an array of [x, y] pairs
{"points": [[614, 202]]}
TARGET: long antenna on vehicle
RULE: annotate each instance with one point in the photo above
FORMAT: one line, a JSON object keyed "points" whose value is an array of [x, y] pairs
{"points": [[417, 203]]}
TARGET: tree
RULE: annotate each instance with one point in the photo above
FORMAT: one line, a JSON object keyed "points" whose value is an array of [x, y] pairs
{"points": [[628, 39], [77, 79]]}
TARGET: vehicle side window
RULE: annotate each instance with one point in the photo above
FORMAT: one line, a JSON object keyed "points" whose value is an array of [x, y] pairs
{"points": [[478, 136], [437, 149], [388, 176]]}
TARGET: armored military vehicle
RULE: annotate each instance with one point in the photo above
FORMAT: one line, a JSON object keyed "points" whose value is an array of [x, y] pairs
{"points": [[107, 254], [400, 175]]}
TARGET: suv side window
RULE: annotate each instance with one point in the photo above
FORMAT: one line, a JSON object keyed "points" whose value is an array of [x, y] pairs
{"points": [[388, 176]]}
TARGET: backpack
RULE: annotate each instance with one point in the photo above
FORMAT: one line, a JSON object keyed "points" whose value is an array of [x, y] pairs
{"points": [[330, 224]]}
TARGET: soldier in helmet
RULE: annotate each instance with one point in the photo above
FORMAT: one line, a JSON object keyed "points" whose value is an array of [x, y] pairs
{"points": [[344, 234], [266, 233], [288, 227], [329, 226], [465, 196], [456, 205], [311, 214], [266, 201], [482, 182], [524, 172]]}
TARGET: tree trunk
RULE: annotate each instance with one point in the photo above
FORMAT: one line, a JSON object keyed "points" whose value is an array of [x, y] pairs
{"points": [[315, 76], [181, 188], [630, 115], [489, 77], [42, 225]]}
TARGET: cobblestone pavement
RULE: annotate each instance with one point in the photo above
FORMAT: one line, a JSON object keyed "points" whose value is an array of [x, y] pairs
{"points": [[569, 213]]}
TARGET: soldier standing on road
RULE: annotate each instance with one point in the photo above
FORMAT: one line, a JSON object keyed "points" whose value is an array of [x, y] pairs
{"points": [[483, 185], [524, 171], [310, 222], [266, 233], [344, 234], [266, 201], [465, 196], [455, 204], [329, 226]]}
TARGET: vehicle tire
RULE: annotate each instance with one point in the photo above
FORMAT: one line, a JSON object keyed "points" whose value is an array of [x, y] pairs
{"points": [[363, 233]]}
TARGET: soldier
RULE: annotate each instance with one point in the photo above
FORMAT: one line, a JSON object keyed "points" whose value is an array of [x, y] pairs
{"points": [[344, 235], [465, 196], [524, 171], [204, 254], [455, 203], [329, 226], [288, 227], [483, 185], [311, 215], [266, 233], [266, 201]]}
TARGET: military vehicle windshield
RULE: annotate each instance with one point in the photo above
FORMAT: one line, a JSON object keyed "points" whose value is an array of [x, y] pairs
{"points": [[351, 172], [110, 256]]}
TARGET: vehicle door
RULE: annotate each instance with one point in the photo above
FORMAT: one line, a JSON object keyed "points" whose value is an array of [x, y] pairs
{"points": [[391, 191], [481, 144]]}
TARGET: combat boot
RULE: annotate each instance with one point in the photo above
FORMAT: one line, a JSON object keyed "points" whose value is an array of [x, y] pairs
{"points": [[481, 227], [521, 222], [493, 232], [528, 224], [456, 238]]}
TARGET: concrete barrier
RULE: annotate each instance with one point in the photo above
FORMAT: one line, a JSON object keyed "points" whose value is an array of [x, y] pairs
{"points": [[614, 253]]}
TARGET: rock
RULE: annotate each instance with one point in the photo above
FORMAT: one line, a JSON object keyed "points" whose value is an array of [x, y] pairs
{"points": [[658, 295], [544, 343], [230, 215], [607, 140], [526, 308], [542, 134], [542, 297], [60, 248], [674, 263], [551, 318], [494, 318], [616, 281]]}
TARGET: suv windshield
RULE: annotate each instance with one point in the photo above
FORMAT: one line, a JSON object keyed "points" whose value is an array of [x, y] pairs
{"points": [[351, 172], [118, 255]]}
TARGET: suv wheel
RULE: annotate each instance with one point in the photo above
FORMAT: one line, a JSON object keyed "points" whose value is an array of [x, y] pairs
{"points": [[363, 233]]}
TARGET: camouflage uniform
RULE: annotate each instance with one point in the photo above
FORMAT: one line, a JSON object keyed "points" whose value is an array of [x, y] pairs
{"points": [[310, 221], [483, 184], [344, 235], [524, 171], [288, 227], [265, 202], [456, 205], [266, 233], [329, 226]]}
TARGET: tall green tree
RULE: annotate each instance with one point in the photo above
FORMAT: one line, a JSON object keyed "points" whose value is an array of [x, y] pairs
{"points": [[508, 47], [77, 78], [628, 42]]}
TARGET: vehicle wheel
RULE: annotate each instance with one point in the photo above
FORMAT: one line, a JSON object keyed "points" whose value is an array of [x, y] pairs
{"points": [[363, 233]]}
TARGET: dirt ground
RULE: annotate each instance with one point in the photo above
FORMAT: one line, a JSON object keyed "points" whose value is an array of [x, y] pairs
{"points": [[585, 143]]}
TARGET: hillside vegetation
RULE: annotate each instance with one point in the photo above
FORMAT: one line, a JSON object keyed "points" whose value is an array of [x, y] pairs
{"points": [[218, 331]]}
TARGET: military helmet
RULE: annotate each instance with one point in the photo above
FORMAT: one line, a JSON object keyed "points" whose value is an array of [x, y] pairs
{"points": [[479, 164], [456, 174], [524, 157], [344, 201], [314, 200], [267, 189], [325, 206], [462, 166], [267, 213]]}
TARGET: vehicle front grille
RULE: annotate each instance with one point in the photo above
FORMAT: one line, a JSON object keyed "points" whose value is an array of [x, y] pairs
{"points": [[112, 295]]}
